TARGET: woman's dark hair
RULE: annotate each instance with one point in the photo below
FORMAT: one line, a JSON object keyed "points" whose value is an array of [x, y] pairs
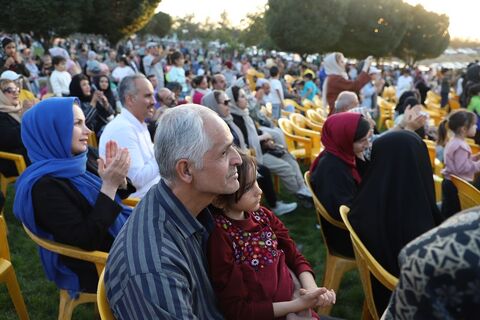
{"points": [[197, 80], [76, 89], [108, 92], [400, 107], [362, 129], [123, 59], [235, 93], [174, 86], [455, 121], [247, 175]]}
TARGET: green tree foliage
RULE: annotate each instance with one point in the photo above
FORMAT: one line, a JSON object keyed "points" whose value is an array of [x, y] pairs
{"points": [[426, 37], [116, 19], [306, 26], [44, 17], [374, 27], [255, 32], [160, 25]]}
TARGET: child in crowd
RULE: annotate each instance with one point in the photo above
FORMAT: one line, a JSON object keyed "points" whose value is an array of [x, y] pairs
{"points": [[458, 157], [60, 78], [256, 270]]}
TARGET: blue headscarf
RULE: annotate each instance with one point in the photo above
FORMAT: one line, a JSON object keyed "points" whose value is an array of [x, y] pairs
{"points": [[47, 131]]}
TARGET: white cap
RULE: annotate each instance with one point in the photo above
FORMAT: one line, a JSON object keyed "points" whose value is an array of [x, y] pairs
{"points": [[374, 70], [152, 44], [10, 75]]}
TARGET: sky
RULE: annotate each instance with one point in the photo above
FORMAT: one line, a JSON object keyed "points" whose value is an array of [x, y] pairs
{"points": [[463, 13]]}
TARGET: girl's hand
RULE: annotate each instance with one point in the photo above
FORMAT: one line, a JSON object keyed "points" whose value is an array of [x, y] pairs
{"points": [[476, 157], [328, 297], [310, 298]]}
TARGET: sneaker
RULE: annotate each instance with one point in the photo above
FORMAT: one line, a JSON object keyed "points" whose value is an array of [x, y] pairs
{"points": [[304, 192], [283, 208]]}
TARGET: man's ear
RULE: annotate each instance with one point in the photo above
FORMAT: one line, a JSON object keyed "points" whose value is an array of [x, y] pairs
{"points": [[183, 171]]}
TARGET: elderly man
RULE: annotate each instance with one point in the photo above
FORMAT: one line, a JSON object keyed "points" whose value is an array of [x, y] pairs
{"points": [[157, 265], [130, 131], [219, 82]]}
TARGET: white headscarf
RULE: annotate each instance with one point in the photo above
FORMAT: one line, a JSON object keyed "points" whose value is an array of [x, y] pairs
{"points": [[331, 67], [13, 111]]}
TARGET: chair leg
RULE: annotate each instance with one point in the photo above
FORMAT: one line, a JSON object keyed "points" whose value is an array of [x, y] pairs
{"points": [[66, 306], [334, 269], [16, 294], [366, 315]]}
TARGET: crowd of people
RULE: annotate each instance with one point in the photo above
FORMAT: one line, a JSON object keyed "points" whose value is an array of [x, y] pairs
{"points": [[186, 131]]}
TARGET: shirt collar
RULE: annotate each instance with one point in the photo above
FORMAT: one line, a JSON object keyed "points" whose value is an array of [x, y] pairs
{"points": [[132, 119], [186, 223]]}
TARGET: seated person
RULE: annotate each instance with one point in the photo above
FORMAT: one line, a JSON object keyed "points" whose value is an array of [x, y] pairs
{"points": [[10, 119], [396, 201], [335, 174], [57, 199], [444, 258], [249, 287]]}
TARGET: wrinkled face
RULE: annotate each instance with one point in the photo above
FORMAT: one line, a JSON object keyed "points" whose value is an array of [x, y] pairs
{"points": [[250, 200], [103, 83], [242, 102], [167, 98], [219, 172], [142, 104], [223, 108], [11, 92], [80, 131], [85, 86], [362, 144], [10, 49]]}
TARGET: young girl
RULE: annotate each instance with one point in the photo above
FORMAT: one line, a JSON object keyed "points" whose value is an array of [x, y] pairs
{"points": [[177, 72], [253, 262], [458, 157]]}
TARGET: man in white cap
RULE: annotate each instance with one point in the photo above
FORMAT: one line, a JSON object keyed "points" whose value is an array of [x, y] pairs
{"points": [[152, 63]]}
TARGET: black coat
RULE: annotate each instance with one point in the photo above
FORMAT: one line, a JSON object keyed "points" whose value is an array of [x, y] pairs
{"points": [[61, 210], [10, 141]]}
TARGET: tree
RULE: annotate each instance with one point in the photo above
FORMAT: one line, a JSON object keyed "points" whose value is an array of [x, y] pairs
{"points": [[116, 19], [307, 26], [44, 17], [426, 37], [255, 32], [374, 27], [160, 25]]}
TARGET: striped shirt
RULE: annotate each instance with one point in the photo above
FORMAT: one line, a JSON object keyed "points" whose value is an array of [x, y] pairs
{"points": [[157, 267]]}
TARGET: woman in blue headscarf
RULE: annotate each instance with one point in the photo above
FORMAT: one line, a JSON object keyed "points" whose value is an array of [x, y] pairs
{"points": [[58, 199]]}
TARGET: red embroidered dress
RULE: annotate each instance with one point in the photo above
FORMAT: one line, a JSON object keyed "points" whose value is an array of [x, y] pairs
{"points": [[248, 262]]}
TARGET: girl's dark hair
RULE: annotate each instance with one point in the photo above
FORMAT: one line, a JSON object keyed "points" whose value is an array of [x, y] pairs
{"points": [[362, 129], [56, 60], [235, 92], [175, 56], [247, 175], [455, 121], [197, 80]]}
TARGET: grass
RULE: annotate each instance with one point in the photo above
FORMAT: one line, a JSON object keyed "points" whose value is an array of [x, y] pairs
{"points": [[41, 296]]}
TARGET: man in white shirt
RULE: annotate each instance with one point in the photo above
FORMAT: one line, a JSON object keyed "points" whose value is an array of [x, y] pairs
{"points": [[130, 131], [404, 83], [152, 63], [276, 93]]}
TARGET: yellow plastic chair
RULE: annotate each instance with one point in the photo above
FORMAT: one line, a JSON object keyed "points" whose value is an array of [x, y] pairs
{"points": [[316, 117], [390, 94], [317, 101], [473, 146], [102, 302], [92, 140], [335, 265], [7, 273], [131, 202], [469, 195], [19, 164], [301, 128], [389, 124], [437, 166], [437, 182], [432, 98], [300, 147], [252, 76], [305, 122], [298, 107], [387, 111], [99, 258], [368, 266]]}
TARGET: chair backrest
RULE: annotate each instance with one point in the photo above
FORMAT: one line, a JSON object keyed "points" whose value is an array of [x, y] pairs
{"points": [[92, 140], [102, 302], [131, 202], [315, 117], [291, 138], [17, 158], [469, 195], [319, 208], [98, 258], [305, 122], [389, 124], [367, 266], [432, 152]]}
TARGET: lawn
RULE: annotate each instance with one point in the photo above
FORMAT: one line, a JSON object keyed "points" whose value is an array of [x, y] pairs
{"points": [[41, 296]]}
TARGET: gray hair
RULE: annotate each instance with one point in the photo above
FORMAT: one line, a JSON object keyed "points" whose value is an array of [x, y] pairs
{"points": [[344, 101], [181, 135], [128, 87]]}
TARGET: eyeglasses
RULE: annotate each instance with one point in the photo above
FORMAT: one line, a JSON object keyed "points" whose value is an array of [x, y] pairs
{"points": [[11, 90], [226, 102]]}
